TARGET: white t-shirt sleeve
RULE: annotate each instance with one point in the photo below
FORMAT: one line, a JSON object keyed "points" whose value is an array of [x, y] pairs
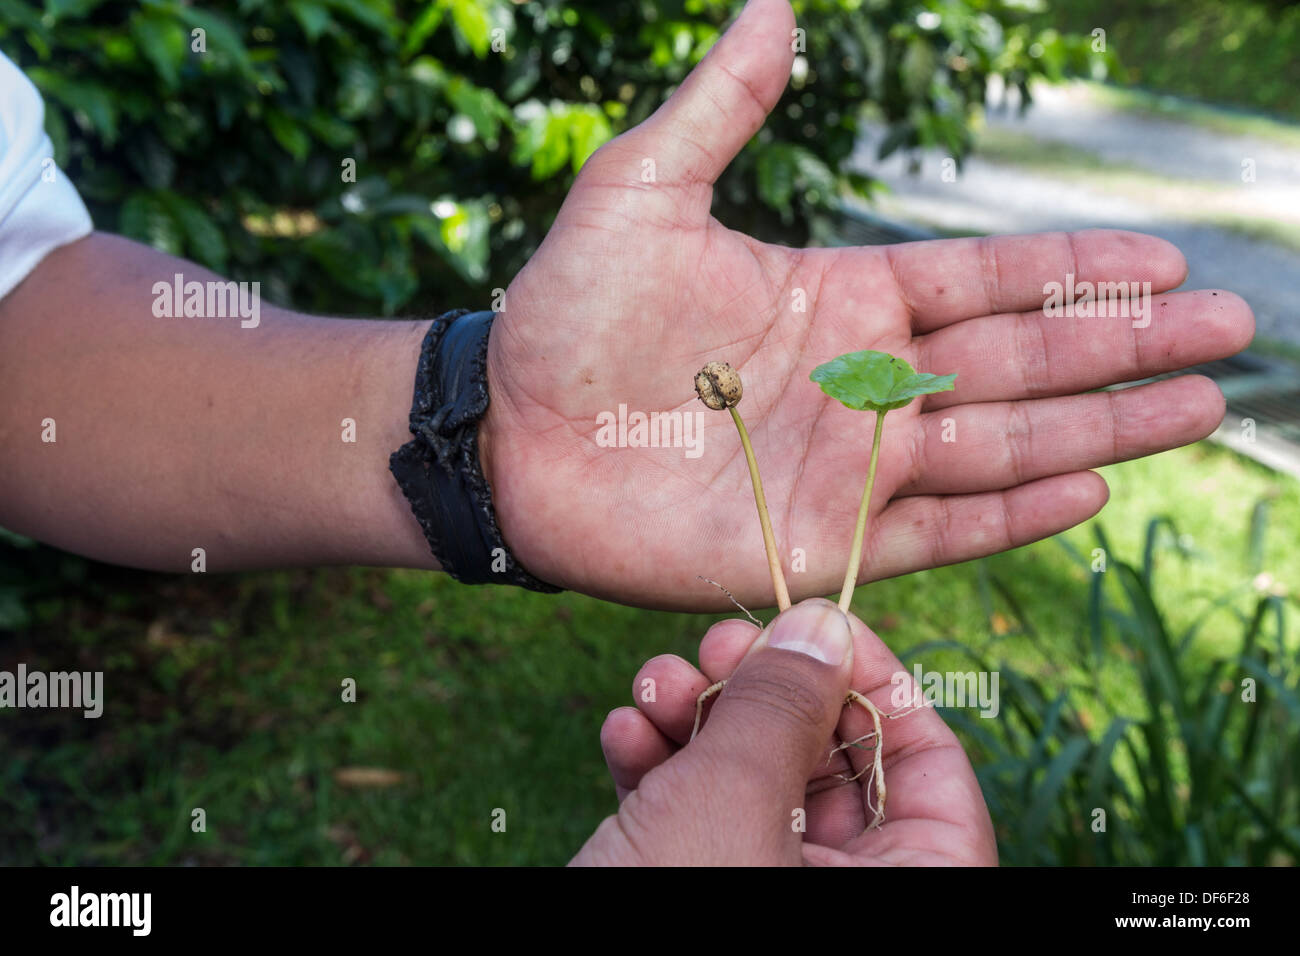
{"points": [[39, 208]]}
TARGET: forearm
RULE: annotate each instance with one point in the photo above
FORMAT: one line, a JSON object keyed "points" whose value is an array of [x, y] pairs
{"points": [[184, 432]]}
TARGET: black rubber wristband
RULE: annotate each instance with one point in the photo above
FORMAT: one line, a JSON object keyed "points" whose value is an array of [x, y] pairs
{"points": [[439, 470]]}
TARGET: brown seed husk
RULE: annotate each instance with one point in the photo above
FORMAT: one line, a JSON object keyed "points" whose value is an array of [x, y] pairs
{"points": [[718, 385]]}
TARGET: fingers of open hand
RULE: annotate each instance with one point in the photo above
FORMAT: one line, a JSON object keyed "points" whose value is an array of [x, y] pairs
{"points": [[997, 445], [1031, 355], [929, 531], [949, 280]]}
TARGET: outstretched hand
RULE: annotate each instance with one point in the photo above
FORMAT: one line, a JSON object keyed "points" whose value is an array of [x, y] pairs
{"points": [[637, 286], [755, 786]]}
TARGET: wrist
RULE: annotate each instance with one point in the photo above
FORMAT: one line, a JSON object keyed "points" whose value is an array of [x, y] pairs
{"points": [[385, 533]]}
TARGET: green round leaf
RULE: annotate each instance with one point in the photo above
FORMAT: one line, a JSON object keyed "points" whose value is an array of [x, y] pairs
{"points": [[876, 380]]}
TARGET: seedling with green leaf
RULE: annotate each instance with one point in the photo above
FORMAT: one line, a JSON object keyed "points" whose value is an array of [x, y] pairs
{"points": [[867, 380], [879, 382]]}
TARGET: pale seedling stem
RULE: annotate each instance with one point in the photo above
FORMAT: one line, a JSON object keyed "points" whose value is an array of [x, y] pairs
{"points": [[769, 539], [859, 531]]}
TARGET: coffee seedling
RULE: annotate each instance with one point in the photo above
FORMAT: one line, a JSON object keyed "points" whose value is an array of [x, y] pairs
{"points": [[880, 382], [719, 387], [864, 381]]}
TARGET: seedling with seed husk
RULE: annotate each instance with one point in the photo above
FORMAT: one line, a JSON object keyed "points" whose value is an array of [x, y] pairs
{"points": [[864, 381]]}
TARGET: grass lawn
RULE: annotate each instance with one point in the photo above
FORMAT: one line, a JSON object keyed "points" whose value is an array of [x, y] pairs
{"points": [[225, 692]]}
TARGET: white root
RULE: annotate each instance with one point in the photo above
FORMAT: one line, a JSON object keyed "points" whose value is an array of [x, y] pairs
{"points": [[699, 704], [875, 770], [732, 598]]}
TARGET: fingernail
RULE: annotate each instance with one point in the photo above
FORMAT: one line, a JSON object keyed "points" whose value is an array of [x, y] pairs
{"points": [[817, 628]]}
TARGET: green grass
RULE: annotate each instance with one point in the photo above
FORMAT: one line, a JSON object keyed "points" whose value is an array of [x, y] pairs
{"points": [[225, 692]]}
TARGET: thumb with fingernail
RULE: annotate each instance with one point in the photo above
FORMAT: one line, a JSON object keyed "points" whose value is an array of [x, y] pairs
{"points": [[729, 798]]}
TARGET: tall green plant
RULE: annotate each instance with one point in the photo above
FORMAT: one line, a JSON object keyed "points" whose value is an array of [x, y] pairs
{"points": [[1199, 774]]}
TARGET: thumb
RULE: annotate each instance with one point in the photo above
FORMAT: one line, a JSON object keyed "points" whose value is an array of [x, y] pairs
{"points": [[724, 100], [774, 720]]}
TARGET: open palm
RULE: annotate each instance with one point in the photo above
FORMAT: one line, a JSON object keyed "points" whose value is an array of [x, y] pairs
{"points": [[637, 286]]}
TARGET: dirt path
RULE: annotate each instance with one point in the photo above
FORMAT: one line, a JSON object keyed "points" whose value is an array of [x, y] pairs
{"points": [[1074, 161]]}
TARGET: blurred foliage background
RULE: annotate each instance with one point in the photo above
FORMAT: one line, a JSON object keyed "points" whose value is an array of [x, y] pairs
{"points": [[466, 120], [1234, 52]]}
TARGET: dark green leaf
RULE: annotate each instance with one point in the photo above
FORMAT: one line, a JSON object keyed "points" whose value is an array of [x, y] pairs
{"points": [[472, 24], [480, 105], [876, 380], [164, 42], [203, 239], [375, 14], [312, 17], [288, 134], [588, 131], [423, 27], [90, 104], [775, 171], [145, 217]]}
